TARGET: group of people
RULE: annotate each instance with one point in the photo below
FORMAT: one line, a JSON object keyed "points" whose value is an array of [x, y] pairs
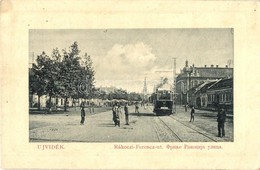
{"points": [[117, 114], [221, 119]]}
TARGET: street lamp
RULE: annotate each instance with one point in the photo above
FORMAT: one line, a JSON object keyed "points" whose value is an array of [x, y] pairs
{"points": [[188, 85]]}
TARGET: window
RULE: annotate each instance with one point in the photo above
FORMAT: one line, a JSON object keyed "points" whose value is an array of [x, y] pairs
{"points": [[196, 82], [229, 97], [182, 86], [164, 95]]}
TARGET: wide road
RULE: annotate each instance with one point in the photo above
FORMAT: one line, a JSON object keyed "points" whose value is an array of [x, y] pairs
{"points": [[144, 127]]}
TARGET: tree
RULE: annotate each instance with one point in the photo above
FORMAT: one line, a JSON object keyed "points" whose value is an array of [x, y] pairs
{"points": [[88, 75], [36, 83], [51, 75], [134, 96], [70, 72], [60, 75], [45, 76]]}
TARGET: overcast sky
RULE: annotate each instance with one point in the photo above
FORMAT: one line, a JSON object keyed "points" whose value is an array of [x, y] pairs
{"points": [[124, 57]]}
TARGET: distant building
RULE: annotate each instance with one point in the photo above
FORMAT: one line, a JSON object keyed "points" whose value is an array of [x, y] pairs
{"points": [[198, 94], [213, 95], [192, 76], [220, 94]]}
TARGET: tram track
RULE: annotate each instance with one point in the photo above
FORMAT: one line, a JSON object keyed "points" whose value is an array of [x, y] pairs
{"points": [[163, 131], [157, 134], [193, 129], [180, 140], [174, 133]]}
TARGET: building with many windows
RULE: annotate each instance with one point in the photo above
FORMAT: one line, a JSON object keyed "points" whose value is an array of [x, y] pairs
{"points": [[220, 94], [192, 76], [213, 95]]}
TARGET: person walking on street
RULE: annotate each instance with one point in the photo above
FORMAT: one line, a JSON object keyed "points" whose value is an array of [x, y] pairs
{"points": [[118, 115], [114, 110], [136, 108], [126, 114], [192, 112], [83, 114], [185, 106], [221, 123]]}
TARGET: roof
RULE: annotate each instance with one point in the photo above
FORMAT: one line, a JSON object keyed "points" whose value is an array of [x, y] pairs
{"points": [[224, 83], [205, 87], [195, 88], [214, 72], [166, 86], [201, 87], [209, 72]]}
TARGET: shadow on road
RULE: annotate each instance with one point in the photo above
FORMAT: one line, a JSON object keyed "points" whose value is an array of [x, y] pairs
{"points": [[142, 114], [106, 125]]}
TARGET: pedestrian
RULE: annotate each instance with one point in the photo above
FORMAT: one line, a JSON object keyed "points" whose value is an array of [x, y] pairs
{"points": [[118, 115], [81, 104], [136, 108], [185, 106], [221, 123], [114, 109], [126, 114], [192, 112], [83, 114], [92, 107]]}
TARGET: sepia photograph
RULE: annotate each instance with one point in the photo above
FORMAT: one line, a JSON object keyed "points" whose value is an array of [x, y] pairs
{"points": [[131, 85]]}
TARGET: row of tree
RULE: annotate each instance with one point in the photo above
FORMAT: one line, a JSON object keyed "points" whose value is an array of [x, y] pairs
{"points": [[61, 74], [118, 94], [67, 74]]}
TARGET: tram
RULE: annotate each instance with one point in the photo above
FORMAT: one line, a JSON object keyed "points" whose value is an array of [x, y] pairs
{"points": [[163, 100]]}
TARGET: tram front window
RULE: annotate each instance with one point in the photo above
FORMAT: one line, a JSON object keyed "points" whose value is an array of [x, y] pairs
{"points": [[164, 95]]}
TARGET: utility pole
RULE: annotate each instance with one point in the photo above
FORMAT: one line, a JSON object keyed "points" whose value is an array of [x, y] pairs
{"points": [[174, 74], [174, 83], [144, 90]]}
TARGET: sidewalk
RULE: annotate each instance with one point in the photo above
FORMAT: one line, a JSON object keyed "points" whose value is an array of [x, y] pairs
{"points": [[210, 111], [206, 120]]}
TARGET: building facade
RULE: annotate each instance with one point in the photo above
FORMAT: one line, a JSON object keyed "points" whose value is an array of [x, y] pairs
{"points": [[192, 76], [220, 95], [213, 95]]}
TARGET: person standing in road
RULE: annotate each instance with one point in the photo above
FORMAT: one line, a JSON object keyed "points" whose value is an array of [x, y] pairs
{"points": [[185, 106], [192, 113], [114, 110], [126, 114], [118, 115], [221, 123], [136, 108], [83, 114]]}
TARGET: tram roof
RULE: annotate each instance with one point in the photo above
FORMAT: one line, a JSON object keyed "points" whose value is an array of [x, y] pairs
{"points": [[165, 87]]}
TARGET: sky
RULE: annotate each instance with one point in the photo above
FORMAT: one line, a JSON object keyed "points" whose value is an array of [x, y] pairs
{"points": [[124, 57]]}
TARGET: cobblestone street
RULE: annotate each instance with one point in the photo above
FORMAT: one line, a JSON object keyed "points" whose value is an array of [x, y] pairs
{"points": [[144, 127]]}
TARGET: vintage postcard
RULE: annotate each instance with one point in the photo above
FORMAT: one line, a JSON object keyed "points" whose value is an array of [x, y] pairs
{"points": [[139, 80], [129, 85]]}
